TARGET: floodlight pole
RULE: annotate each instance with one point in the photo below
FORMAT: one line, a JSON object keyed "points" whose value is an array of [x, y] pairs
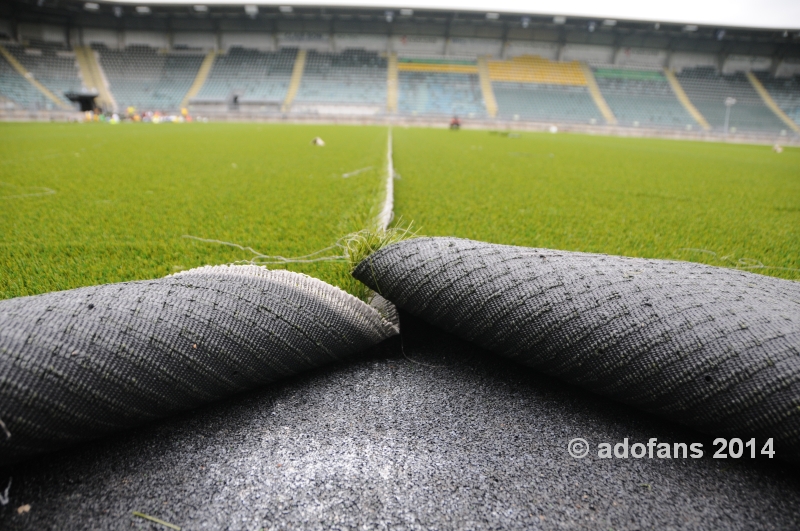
{"points": [[729, 102]]}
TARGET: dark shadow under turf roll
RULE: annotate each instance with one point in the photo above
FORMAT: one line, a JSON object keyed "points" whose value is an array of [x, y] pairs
{"points": [[77, 364], [717, 349]]}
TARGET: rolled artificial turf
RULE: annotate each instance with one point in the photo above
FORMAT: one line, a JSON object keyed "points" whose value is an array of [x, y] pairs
{"points": [[713, 348], [78, 364]]}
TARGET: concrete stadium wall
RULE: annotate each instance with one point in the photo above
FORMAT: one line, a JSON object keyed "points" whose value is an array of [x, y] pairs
{"points": [[788, 67], [680, 60], [203, 40], [474, 47], [547, 50], [416, 45], [149, 38], [594, 55], [647, 58], [745, 63], [373, 43], [320, 42], [257, 41]]}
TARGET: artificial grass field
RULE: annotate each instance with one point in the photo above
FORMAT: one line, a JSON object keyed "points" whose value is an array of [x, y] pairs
{"points": [[733, 205], [124, 196], [84, 204]]}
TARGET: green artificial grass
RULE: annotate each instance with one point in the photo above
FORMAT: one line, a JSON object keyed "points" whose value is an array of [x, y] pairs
{"points": [[84, 204], [721, 204]]}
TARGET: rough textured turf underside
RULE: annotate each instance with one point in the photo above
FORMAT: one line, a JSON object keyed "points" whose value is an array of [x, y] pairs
{"points": [[78, 364], [716, 349], [440, 435]]}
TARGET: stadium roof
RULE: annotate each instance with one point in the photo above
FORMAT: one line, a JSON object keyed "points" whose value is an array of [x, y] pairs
{"points": [[772, 14], [317, 19]]}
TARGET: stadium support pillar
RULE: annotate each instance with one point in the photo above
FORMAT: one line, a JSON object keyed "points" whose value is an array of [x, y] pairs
{"points": [[93, 76], [200, 78], [486, 87], [684, 99], [392, 84], [597, 96], [769, 102], [29, 77], [297, 77]]}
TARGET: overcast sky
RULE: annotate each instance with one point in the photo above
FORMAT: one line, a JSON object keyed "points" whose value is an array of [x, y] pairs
{"points": [[779, 14]]}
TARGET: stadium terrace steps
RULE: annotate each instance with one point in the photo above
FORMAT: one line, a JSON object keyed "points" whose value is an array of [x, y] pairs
{"points": [[250, 75], [19, 91], [93, 76], [49, 73], [351, 77], [769, 102], [785, 92], [685, 101], [641, 98], [200, 78], [597, 96], [392, 84], [486, 87], [296, 79], [708, 91]]}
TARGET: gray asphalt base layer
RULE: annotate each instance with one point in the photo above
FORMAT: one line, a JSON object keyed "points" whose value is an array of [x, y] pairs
{"points": [[437, 434]]}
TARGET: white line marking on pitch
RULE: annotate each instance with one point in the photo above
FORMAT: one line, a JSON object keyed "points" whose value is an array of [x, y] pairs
{"points": [[387, 212], [44, 191]]}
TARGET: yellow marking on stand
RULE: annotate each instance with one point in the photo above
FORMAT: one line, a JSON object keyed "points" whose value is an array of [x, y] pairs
{"points": [[486, 87], [769, 102], [29, 77], [684, 99], [297, 77], [597, 96], [200, 78]]}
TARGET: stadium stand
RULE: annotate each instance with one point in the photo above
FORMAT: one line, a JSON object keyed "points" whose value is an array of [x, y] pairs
{"points": [[641, 98], [534, 88], [439, 86], [708, 91], [785, 92], [352, 76], [252, 76], [18, 91], [146, 78], [371, 74], [50, 64]]}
